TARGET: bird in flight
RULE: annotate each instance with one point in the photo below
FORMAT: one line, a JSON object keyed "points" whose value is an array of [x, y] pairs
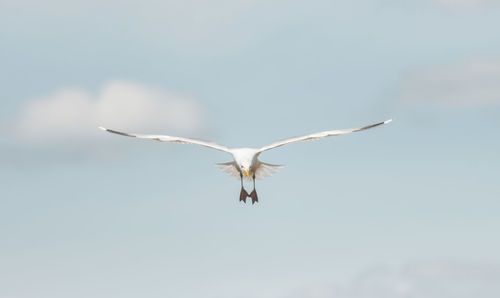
{"points": [[246, 163]]}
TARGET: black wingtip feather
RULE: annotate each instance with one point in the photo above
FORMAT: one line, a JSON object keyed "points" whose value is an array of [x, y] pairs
{"points": [[117, 132]]}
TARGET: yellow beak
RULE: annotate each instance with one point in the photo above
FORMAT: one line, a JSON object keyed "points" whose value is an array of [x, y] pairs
{"points": [[246, 172]]}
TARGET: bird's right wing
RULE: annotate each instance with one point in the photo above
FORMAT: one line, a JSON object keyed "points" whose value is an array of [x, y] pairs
{"points": [[230, 168], [164, 138], [318, 135]]}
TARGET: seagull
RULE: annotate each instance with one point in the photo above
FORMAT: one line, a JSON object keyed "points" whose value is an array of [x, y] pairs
{"points": [[246, 164]]}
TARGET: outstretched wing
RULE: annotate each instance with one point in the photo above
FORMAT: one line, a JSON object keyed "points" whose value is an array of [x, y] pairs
{"points": [[319, 135], [163, 138]]}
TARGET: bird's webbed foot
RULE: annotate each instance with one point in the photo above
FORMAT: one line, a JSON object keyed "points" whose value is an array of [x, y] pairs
{"points": [[243, 195], [254, 197]]}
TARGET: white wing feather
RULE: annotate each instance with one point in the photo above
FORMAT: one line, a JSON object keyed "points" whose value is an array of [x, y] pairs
{"points": [[164, 138], [266, 170], [319, 135], [229, 168]]}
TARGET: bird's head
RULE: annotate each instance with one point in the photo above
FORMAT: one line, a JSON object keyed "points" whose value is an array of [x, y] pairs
{"points": [[245, 169], [245, 158]]}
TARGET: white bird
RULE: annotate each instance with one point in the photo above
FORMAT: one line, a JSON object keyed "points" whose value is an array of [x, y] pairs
{"points": [[246, 163]]}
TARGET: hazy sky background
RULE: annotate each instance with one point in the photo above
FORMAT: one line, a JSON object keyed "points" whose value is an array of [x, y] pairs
{"points": [[406, 210]]}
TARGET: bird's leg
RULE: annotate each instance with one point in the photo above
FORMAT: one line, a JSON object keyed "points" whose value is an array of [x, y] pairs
{"points": [[253, 194], [243, 193]]}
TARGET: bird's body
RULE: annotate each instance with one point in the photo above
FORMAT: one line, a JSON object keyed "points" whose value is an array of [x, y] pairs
{"points": [[246, 163], [246, 159]]}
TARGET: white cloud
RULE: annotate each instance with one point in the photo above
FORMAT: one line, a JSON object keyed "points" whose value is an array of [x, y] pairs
{"points": [[435, 279], [72, 113], [469, 83]]}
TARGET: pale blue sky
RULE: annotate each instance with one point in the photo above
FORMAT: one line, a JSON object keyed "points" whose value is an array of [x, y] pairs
{"points": [[87, 214]]}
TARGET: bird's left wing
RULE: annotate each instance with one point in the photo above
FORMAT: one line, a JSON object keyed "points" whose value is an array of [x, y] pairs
{"points": [[319, 135], [164, 138]]}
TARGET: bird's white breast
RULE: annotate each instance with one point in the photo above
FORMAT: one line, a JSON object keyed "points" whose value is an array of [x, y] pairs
{"points": [[244, 156]]}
